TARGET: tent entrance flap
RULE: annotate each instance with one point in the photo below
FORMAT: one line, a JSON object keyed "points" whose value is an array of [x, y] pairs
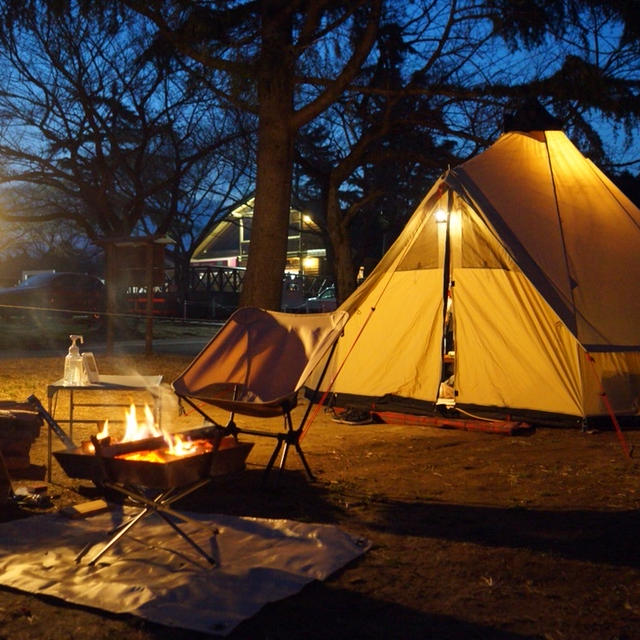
{"points": [[446, 390], [255, 366]]}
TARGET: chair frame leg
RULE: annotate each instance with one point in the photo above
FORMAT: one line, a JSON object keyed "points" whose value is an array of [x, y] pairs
{"points": [[285, 439]]}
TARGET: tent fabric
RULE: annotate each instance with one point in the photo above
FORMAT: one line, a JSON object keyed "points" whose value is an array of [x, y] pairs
{"points": [[570, 229], [259, 360], [539, 253], [395, 329]]}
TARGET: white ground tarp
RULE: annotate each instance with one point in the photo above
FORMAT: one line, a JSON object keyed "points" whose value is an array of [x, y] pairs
{"points": [[154, 574]]}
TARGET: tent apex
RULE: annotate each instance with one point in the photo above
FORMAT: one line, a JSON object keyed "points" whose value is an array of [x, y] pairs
{"points": [[530, 116]]}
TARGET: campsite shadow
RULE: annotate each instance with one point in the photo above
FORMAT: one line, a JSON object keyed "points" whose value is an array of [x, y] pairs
{"points": [[12, 511], [321, 612], [343, 614], [247, 494], [598, 536]]}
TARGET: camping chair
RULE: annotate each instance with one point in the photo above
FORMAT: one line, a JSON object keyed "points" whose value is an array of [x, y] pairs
{"points": [[255, 366]]}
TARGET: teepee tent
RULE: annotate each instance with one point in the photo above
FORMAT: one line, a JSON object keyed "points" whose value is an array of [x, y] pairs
{"points": [[534, 254]]}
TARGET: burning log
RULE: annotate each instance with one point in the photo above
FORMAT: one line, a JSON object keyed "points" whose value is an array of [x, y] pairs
{"points": [[109, 450]]}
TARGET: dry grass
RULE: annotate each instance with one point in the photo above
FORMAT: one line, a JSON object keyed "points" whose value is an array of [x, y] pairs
{"points": [[20, 378], [474, 535]]}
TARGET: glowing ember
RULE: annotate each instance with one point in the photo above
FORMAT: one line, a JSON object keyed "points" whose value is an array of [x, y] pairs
{"points": [[196, 447]]}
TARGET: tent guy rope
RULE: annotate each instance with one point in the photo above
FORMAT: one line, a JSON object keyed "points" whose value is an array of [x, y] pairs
{"points": [[605, 400]]}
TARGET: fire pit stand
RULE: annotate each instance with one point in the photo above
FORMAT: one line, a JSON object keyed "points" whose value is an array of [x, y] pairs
{"points": [[160, 505], [167, 482]]}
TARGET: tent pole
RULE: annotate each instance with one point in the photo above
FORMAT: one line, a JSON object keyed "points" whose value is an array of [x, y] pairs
{"points": [[446, 285]]}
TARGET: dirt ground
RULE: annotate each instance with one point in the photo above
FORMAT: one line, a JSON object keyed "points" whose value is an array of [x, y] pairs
{"points": [[474, 535]]}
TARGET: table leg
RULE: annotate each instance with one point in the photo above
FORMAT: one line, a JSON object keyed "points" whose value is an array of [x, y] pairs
{"points": [[49, 457], [157, 406], [71, 413], [49, 439]]}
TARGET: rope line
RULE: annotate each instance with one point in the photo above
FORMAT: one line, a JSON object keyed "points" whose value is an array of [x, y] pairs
{"points": [[107, 314]]}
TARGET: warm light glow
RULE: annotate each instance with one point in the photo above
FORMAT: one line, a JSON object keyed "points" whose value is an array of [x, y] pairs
{"points": [[307, 219], [309, 262], [146, 456], [441, 215]]}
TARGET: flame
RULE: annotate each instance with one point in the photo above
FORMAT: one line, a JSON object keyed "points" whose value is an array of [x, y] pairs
{"points": [[176, 445], [136, 431], [179, 446], [101, 435], [104, 432]]}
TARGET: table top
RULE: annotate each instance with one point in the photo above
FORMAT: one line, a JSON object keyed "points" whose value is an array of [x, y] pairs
{"points": [[110, 383]]}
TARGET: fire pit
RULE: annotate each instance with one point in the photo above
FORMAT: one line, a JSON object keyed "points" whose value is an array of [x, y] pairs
{"points": [[154, 466], [143, 442], [125, 462], [154, 470]]}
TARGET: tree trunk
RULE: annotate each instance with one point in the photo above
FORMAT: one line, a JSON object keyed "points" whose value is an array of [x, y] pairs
{"points": [[344, 270], [262, 285]]}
